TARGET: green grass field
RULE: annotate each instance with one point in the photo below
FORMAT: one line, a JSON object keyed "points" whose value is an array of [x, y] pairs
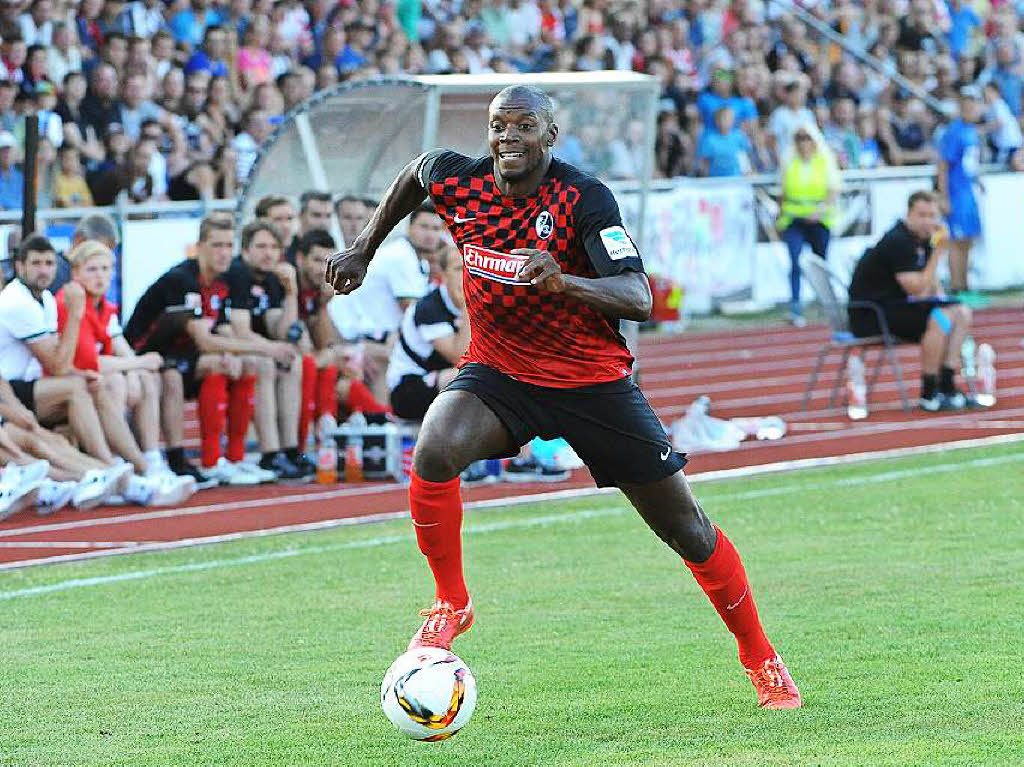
{"points": [[893, 590]]}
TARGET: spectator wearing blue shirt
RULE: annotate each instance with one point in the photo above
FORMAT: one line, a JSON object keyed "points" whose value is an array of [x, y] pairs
{"points": [[959, 152], [189, 26], [11, 179], [962, 23], [720, 94], [724, 150], [213, 55], [1007, 76]]}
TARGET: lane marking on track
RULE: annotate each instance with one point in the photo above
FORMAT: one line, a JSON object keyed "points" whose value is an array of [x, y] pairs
{"points": [[888, 476]]}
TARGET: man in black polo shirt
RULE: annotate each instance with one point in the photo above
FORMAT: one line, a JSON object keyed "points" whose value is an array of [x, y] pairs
{"points": [[899, 274], [264, 311]]}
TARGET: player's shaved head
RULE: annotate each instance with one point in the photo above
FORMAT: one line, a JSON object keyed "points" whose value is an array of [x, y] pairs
{"points": [[525, 97]]}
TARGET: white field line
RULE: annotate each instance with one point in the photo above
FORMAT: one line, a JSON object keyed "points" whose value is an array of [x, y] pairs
{"points": [[549, 519], [207, 509], [772, 337]]}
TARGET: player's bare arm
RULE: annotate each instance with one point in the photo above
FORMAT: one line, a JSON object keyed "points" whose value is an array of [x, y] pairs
{"points": [[346, 269], [57, 353], [624, 296]]}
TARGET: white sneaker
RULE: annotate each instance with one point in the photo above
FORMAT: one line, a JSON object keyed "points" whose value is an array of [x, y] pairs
{"points": [[35, 471], [227, 473], [262, 475], [95, 488], [158, 491], [120, 474], [54, 496], [15, 493]]}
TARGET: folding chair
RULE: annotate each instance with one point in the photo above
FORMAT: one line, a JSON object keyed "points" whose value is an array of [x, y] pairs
{"points": [[834, 298]]}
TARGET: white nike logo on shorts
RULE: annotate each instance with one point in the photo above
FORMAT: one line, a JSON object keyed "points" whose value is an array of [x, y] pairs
{"points": [[667, 453], [461, 220]]}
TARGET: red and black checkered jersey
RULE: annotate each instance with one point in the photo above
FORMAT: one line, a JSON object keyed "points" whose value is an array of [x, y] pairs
{"points": [[180, 285], [547, 339]]}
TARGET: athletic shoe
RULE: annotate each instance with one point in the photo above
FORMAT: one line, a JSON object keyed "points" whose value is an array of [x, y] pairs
{"points": [[54, 496], [956, 400], [16, 493], [530, 470], [443, 623], [120, 475], [476, 474], [307, 466], [932, 404], [797, 320], [226, 473], [279, 464], [35, 471], [775, 687], [95, 488], [159, 491], [186, 469], [263, 475]]}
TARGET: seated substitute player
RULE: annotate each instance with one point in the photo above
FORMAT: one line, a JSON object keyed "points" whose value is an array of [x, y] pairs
{"points": [[264, 312], [132, 381], [280, 212], [331, 374], [898, 274], [199, 362], [31, 345], [397, 280], [432, 338], [549, 273]]}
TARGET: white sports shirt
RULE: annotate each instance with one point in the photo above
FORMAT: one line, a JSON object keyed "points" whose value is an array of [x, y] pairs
{"points": [[23, 319]]}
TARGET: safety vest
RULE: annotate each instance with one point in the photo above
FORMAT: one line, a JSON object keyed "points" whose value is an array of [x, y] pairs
{"points": [[805, 185]]}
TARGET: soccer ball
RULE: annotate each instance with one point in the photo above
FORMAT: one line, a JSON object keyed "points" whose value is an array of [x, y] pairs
{"points": [[428, 694]]}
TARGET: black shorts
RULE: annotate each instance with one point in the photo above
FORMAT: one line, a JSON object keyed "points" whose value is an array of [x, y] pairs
{"points": [[906, 321], [411, 398], [186, 365], [25, 391], [610, 425]]}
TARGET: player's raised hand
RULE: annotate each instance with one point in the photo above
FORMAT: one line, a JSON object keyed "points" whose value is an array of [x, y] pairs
{"points": [[540, 269], [346, 270]]}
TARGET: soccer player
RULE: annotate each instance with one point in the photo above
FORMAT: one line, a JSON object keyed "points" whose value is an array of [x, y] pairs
{"points": [[132, 381], [959, 158], [353, 214], [549, 272], [264, 312], [314, 213], [332, 373], [898, 274], [280, 212], [397, 280], [203, 363]]}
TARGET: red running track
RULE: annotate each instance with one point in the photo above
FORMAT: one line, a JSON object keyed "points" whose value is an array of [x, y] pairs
{"points": [[750, 372]]}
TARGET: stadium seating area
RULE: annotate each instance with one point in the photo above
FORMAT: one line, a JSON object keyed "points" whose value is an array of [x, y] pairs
{"points": [[170, 100]]}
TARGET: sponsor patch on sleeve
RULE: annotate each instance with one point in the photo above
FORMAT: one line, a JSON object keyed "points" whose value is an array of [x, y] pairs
{"points": [[617, 243]]}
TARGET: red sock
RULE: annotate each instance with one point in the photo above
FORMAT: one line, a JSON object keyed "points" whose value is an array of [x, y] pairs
{"points": [[360, 398], [213, 404], [327, 391], [437, 517], [240, 407], [308, 401], [725, 582]]}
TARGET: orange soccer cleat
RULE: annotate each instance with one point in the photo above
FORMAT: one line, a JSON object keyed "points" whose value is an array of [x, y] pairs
{"points": [[442, 625], [775, 687]]}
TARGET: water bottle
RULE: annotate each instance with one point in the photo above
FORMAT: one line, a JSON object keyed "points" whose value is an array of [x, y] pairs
{"points": [[856, 390], [354, 448], [326, 455], [986, 376]]}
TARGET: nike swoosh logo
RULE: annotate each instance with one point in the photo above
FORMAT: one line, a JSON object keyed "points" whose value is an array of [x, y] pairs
{"points": [[666, 454], [461, 220], [736, 604]]}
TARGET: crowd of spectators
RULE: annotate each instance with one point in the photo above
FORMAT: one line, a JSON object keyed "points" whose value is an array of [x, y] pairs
{"points": [[171, 100]]}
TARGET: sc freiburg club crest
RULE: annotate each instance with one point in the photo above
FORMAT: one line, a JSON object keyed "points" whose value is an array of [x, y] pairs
{"points": [[544, 225]]}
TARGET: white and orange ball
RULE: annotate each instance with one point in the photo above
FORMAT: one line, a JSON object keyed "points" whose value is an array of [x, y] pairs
{"points": [[428, 694]]}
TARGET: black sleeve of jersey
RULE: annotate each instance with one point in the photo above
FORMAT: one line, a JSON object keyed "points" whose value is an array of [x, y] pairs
{"points": [[275, 291], [168, 290], [599, 229], [239, 286], [900, 252], [439, 164]]}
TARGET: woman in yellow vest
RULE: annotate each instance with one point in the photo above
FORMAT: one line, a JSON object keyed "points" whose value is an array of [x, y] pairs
{"points": [[810, 188]]}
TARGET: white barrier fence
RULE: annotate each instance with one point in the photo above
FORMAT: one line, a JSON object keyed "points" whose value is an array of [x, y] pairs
{"points": [[714, 237]]}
